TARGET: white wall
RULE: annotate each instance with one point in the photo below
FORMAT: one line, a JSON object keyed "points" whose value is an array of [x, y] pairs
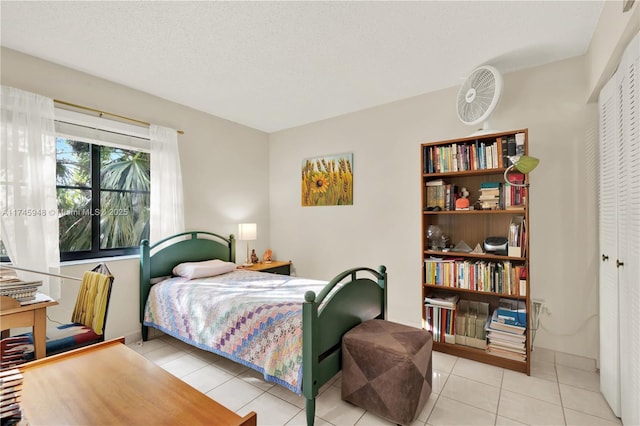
{"points": [[225, 171], [383, 225]]}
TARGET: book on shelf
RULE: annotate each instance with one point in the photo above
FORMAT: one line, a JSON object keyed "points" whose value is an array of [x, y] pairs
{"points": [[506, 353], [495, 324], [505, 336], [519, 142], [442, 299], [517, 236], [512, 312], [503, 277], [440, 321]]}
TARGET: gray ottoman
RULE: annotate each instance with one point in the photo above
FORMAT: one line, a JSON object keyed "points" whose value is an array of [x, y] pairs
{"points": [[386, 369]]}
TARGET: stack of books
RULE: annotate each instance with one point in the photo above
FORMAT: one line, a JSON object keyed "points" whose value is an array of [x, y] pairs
{"points": [[10, 387], [506, 331], [489, 195], [441, 316], [22, 291]]}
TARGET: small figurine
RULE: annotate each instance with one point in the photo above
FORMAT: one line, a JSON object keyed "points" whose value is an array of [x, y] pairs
{"points": [[267, 256], [254, 256], [462, 203]]}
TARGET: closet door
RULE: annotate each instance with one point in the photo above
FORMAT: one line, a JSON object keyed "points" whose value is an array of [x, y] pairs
{"points": [[629, 234], [609, 127]]}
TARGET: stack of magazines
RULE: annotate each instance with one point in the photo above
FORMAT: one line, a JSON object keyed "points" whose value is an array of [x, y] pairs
{"points": [[10, 386], [14, 287]]}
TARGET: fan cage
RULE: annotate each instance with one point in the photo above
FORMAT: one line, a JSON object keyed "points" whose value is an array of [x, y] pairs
{"points": [[474, 108]]}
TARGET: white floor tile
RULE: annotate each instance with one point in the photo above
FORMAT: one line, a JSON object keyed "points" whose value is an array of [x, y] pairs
{"points": [[230, 367], [529, 410], [148, 346], [301, 420], [503, 421], [291, 397], [428, 407], [534, 387], [579, 378], [234, 394], [271, 411], [443, 362], [586, 401], [484, 373], [369, 419], [542, 355], [575, 361], [184, 365], [207, 378], [256, 379], [164, 354], [438, 381], [450, 412], [544, 370], [577, 418], [473, 393], [331, 407]]}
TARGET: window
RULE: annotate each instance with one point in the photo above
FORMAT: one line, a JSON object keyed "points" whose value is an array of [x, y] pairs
{"points": [[103, 186], [103, 199]]}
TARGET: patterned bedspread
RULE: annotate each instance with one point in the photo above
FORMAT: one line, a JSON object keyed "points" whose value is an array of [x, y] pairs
{"points": [[250, 317]]}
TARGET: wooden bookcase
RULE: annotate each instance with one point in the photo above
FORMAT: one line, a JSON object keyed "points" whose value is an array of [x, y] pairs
{"points": [[458, 164]]}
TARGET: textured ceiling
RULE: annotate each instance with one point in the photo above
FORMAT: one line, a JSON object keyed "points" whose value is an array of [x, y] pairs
{"points": [[276, 65]]}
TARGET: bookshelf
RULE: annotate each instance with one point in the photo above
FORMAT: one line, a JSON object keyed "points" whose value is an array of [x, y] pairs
{"points": [[479, 279]]}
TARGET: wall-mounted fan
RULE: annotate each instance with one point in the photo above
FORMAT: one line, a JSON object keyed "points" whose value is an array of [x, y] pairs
{"points": [[479, 95]]}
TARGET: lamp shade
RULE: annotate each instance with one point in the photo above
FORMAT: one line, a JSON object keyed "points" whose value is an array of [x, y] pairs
{"points": [[247, 231], [525, 164]]}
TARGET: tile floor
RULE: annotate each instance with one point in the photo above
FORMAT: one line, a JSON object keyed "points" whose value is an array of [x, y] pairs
{"points": [[562, 390]]}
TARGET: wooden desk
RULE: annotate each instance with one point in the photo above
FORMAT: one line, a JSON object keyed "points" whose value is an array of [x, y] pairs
{"points": [[33, 315], [108, 383]]}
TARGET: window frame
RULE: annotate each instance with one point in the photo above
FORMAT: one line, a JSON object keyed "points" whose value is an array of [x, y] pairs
{"points": [[96, 198]]}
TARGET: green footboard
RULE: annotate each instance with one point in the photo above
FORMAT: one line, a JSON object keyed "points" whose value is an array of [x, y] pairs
{"points": [[327, 316]]}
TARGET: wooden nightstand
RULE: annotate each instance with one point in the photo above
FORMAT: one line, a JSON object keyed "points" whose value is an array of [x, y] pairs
{"points": [[275, 267]]}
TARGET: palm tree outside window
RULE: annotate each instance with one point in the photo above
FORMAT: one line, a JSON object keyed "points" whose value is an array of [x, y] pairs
{"points": [[103, 199]]}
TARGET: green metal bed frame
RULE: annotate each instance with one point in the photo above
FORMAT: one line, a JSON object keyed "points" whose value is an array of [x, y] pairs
{"points": [[325, 317]]}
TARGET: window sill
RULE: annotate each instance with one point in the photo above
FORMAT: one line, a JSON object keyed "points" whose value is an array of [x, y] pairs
{"points": [[99, 259]]}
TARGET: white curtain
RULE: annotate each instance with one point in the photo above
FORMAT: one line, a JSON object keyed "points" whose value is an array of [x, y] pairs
{"points": [[167, 207], [28, 201]]}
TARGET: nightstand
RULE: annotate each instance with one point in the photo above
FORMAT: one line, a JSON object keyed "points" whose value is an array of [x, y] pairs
{"points": [[275, 267]]}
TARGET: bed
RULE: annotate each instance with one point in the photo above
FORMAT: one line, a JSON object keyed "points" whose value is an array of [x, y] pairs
{"points": [[287, 328]]}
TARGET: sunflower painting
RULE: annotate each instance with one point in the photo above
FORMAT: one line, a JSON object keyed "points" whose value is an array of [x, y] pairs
{"points": [[328, 181]]}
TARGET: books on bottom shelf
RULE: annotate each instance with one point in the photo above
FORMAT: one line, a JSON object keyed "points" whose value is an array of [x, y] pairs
{"points": [[506, 340], [441, 316]]}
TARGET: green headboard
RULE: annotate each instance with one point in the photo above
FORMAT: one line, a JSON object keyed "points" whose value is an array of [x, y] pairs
{"points": [[159, 259]]}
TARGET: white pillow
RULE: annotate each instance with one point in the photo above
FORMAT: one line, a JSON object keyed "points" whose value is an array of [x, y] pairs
{"points": [[207, 268]]}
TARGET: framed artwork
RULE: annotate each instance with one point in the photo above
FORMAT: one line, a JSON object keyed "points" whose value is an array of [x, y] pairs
{"points": [[328, 180]]}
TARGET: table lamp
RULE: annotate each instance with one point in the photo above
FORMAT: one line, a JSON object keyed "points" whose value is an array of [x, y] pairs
{"points": [[247, 232], [523, 164]]}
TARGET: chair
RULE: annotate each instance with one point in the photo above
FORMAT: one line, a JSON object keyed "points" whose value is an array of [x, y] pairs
{"points": [[89, 315]]}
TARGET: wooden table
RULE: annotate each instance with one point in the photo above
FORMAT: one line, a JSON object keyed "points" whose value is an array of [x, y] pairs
{"points": [[33, 315], [108, 383]]}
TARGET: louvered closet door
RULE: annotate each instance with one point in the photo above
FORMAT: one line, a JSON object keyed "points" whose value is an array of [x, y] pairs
{"points": [[629, 235], [607, 203]]}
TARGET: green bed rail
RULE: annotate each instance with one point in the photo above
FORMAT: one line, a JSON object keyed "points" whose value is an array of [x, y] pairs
{"points": [[348, 300]]}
